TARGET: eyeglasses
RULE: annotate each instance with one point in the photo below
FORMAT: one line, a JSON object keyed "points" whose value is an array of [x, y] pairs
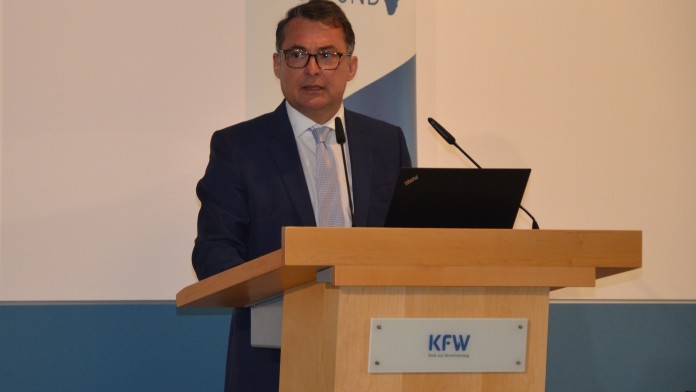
{"points": [[299, 58]]}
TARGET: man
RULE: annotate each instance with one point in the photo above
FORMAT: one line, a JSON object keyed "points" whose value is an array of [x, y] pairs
{"points": [[264, 173]]}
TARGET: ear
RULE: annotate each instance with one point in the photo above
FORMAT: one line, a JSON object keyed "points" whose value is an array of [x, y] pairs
{"points": [[352, 67], [276, 65]]}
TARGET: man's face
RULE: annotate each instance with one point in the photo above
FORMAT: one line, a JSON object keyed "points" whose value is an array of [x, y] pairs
{"points": [[314, 92]]}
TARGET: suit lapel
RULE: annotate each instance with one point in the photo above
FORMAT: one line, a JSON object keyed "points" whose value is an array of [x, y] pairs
{"points": [[283, 148], [360, 165]]}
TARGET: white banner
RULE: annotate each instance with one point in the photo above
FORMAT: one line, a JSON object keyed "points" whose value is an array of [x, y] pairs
{"points": [[385, 84]]}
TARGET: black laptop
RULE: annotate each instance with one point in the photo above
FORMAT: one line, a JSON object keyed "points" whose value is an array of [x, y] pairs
{"points": [[457, 198]]}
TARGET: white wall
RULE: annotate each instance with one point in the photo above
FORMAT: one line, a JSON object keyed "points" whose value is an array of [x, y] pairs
{"points": [[108, 111], [597, 97], [108, 107], [2, 122]]}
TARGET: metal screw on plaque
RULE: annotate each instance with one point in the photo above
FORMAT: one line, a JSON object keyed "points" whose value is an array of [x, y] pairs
{"points": [[376, 363], [520, 327], [379, 327], [518, 363]]}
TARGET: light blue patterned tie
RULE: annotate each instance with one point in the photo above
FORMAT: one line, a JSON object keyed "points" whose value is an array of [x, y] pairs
{"points": [[328, 190]]}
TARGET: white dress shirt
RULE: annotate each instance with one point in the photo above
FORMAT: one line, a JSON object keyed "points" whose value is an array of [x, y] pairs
{"points": [[307, 147]]}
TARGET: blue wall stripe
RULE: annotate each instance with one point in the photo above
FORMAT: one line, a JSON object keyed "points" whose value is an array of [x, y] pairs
{"points": [[95, 347], [148, 347], [622, 347]]}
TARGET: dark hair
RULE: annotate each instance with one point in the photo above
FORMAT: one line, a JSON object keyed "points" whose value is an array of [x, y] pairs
{"points": [[323, 11]]}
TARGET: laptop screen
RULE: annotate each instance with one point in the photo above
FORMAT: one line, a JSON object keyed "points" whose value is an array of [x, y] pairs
{"points": [[457, 198]]}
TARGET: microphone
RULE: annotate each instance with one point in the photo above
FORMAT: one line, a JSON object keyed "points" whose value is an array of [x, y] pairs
{"points": [[451, 140], [341, 139]]}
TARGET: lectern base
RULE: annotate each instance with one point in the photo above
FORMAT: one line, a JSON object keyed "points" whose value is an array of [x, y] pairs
{"points": [[326, 333]]}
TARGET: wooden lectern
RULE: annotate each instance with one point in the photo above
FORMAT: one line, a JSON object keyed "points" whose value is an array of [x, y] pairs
{"points": [[407, 273]]}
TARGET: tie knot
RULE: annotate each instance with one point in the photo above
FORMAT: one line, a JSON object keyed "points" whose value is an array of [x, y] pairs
{"points": [[320, 134]]}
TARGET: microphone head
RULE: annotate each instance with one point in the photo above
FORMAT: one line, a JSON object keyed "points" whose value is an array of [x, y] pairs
{"points": [[340, 132], [442, 131]]}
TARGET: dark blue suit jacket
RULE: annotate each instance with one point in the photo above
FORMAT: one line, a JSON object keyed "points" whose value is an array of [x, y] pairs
{"points": [[254, 185]]}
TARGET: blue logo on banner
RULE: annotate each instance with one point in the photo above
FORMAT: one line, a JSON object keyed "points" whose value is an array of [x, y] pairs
{"points": [[391, 4], [456, 343]]}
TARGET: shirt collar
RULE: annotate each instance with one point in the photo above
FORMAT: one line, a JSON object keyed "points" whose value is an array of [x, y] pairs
{"points": [[300, 123]]}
